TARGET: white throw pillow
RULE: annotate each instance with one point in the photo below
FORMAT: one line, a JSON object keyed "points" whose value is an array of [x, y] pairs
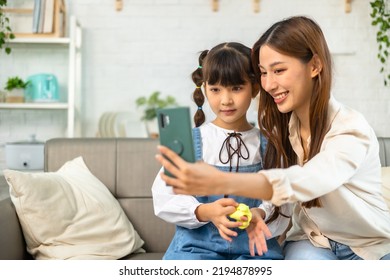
{"points": [[70, 214], [386, 184]]}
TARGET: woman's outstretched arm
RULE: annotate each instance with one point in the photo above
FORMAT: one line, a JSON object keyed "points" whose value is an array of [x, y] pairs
{"points": [[202, 179]]}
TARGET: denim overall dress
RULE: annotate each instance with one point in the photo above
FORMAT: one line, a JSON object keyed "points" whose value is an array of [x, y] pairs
{"points": [[205, 243]]}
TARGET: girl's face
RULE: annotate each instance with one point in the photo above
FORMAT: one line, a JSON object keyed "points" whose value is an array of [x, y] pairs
{"points": [[287, 80], [230, 105]]}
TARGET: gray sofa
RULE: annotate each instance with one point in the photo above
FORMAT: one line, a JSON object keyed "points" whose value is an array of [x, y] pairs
{"points": [[127, 167]]}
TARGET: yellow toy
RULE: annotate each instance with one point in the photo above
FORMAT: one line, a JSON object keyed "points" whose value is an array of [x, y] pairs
{"points": [[242, 210]]}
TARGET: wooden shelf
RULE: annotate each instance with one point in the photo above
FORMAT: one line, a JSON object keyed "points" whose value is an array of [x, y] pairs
{"points": [[348, 6], [59, 21], [256, 5]]}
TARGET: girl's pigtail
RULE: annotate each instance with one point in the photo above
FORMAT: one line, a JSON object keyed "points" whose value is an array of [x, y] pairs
{"points": [[198, 97]]}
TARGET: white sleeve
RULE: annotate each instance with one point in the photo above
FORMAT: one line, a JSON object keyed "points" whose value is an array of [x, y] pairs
{"points": [[173, 208], [341, 155], [280, 224]]}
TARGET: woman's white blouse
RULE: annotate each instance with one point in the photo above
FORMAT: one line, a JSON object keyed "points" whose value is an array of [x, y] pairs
{"points": [[345, 175]]}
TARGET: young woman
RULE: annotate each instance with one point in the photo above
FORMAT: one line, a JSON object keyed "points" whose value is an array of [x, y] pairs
{"points": [[325, 155], [231, 144]]}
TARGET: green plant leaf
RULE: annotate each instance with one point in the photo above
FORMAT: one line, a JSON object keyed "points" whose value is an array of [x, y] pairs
{"points": [[152, 103], [5, 29], [382, 22], [15, 83], [140, 101]]}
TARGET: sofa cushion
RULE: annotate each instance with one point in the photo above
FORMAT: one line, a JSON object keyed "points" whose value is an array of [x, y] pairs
{"points": [[70, 214], [386, 184]]}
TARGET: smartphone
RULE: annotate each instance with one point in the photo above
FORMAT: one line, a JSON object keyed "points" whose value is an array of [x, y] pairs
{"points": [[175, 131]]}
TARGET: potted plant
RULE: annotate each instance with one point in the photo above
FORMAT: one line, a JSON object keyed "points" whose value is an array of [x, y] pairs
{"points": [[381, 19], [15, 90], [151, 104], [5, 29]]}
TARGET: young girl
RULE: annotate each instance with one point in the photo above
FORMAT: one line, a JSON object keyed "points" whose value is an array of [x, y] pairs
{"points": [[326, 155], [231, 144]]}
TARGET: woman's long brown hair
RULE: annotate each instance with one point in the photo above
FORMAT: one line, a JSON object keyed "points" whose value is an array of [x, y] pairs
{"points": [[302, 38]]}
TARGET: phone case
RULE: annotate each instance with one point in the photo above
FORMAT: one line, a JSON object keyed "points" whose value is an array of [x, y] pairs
{"points": [[175, 131]]}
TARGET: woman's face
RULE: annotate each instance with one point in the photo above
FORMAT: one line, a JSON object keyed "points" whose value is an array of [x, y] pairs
{"points": [[287, 80]]}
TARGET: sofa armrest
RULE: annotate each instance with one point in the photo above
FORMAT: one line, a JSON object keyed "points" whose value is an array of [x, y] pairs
{"points": [[384, 150], [12, 242]]}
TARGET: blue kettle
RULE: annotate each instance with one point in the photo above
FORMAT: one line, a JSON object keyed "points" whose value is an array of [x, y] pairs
{"points": [[42, 88]]}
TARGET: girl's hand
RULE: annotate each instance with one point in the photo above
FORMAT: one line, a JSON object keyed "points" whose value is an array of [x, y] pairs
{"points": [[217, 212], [258, 233], [190, 178]]}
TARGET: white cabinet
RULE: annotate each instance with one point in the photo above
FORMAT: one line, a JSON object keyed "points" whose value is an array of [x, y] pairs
{"points": [[71, 46]]}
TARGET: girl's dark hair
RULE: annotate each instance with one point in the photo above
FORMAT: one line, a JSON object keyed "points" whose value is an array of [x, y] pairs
{"points": [[228, 64], [302, 38]]}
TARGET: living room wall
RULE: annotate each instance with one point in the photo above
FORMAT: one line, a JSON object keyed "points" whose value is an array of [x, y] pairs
{"points": [[154, 44]]}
